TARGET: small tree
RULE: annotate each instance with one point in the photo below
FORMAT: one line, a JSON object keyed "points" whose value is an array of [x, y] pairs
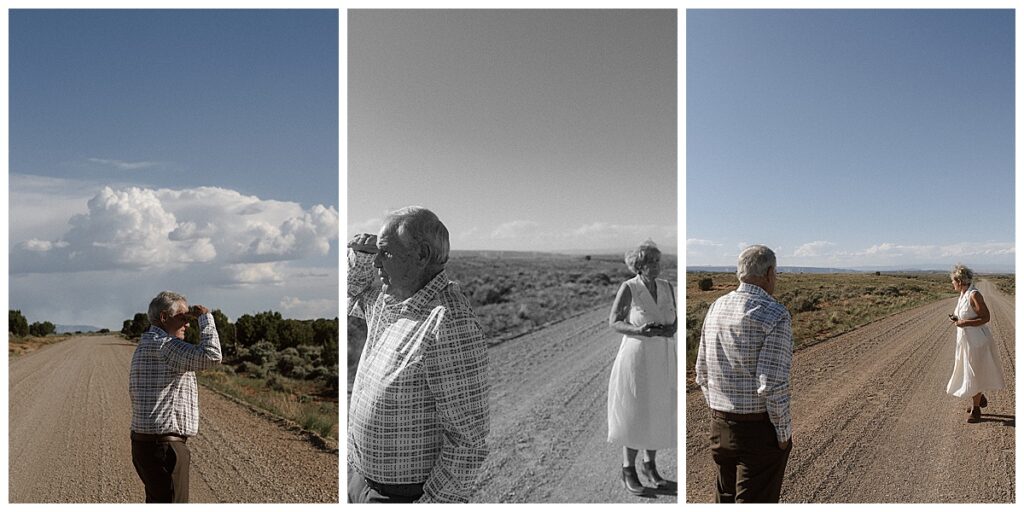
{"points": [[705, 284], [41, 328], [17, 323]]}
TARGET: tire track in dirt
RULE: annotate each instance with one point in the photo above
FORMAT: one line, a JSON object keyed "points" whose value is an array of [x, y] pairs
{"points": [[548, 418], [69, 418], [872, 421]]}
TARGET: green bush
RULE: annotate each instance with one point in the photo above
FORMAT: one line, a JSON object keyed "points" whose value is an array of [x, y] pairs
{"points": [[17, 323], [41, 328], [705, 284]]}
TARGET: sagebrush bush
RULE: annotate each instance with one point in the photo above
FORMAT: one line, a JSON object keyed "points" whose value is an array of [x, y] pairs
{"points": [[705, 284]]}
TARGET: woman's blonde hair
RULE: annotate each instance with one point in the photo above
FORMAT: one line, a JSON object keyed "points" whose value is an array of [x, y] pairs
{"points": [[962, 274], [638, 259]]}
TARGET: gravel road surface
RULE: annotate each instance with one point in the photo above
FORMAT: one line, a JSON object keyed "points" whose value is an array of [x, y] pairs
{"points": [[548, 419], [69, 422], [873, 423]]}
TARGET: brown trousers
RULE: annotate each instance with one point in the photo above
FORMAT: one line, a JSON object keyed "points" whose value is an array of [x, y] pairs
{"points": [[750, 463], [163, 468]]}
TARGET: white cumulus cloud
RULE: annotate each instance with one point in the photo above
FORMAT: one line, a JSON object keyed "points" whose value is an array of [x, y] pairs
{"points": [[140, 228], [816, 248], [514, 229]]}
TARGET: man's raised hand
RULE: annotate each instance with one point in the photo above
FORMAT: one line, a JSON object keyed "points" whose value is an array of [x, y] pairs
{"points": [[364, 242]]}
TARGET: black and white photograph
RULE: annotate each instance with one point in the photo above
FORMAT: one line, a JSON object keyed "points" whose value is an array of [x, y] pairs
{"points": [[511, 249]]}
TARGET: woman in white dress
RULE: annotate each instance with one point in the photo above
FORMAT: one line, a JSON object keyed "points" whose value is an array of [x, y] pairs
{"points": [[642, 387], [976, 368]]}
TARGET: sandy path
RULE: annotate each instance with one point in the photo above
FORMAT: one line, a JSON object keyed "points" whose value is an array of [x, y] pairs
{"points": [[548, 419], [873, 422], [69, 421]]}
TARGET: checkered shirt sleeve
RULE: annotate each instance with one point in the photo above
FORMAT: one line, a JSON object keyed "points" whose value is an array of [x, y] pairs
{"points": [[745, 355], [182, 356], [162, 381], [361, 294]]}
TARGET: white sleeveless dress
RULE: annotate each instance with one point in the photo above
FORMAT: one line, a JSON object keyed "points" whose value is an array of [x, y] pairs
{"points": [[976, 367], [642, 388]]}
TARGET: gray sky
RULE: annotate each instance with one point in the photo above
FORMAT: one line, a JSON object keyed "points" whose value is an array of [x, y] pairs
{"points": [[523, 130]]}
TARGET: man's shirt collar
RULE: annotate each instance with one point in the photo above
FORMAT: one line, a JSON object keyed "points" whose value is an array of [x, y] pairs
{"points": [[754, 289], [425, 295]]}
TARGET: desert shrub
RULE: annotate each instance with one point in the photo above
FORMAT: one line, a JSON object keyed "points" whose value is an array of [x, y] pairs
{"points": [[890, 291], [705, 284], [290, 363], [254, 370], [599, 279], [17, 323], [262, 353], [276, 383], [41, 328], [104, 331], [488, 294]]}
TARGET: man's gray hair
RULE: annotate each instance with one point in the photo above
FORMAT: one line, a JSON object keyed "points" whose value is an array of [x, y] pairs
{"points": [[164, 303], [417, 226], [962, 274], [639, 258], [754, 261]]}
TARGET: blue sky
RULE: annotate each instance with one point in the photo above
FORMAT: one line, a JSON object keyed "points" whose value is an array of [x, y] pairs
{"points": [[532, 130], [851, 138], [193, 150]]}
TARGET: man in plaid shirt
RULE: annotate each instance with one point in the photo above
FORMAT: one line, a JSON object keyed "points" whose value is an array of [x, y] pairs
{"points": [[165, 399], [743, 363], [418, 415]]}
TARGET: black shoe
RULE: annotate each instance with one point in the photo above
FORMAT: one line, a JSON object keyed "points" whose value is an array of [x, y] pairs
{"points": [[975, 415], [650, 472], [631, 481]]}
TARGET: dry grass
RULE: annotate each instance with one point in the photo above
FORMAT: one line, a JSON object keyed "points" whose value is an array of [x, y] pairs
{"points": [[823, 305], [20, 346], [295, 400]]}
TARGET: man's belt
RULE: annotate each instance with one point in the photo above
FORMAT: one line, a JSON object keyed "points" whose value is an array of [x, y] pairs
{"points": [[158, 438], [397, 490], [732, 416]]}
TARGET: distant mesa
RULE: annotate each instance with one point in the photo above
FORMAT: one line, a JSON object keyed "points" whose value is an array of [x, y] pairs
{"points": [[77, 329]]}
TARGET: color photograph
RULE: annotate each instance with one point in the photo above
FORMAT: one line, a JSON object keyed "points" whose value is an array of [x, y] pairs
{"points": [[850, 256], [173, 278]]}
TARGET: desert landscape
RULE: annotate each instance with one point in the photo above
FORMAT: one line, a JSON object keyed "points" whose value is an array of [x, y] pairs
{"points": [[549, 375], [69, 419], [872, 421]]}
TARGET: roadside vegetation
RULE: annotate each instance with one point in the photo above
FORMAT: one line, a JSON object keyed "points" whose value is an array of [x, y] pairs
{"points": [[280, 365], [822, 305], [23, 337], [515, 293]]}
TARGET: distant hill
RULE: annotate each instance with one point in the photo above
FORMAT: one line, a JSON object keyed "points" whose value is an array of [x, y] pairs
{"points": [[76, 328], [995, 269], [795, 270]]}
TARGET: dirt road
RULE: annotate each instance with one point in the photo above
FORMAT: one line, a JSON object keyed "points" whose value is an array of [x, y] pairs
{"points": [[69, 422], [872, 421], [548, 419]]}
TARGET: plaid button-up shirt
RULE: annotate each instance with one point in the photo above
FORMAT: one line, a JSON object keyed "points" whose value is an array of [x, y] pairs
{"points": [[746, 349], [162, 379], [419, 409]]}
